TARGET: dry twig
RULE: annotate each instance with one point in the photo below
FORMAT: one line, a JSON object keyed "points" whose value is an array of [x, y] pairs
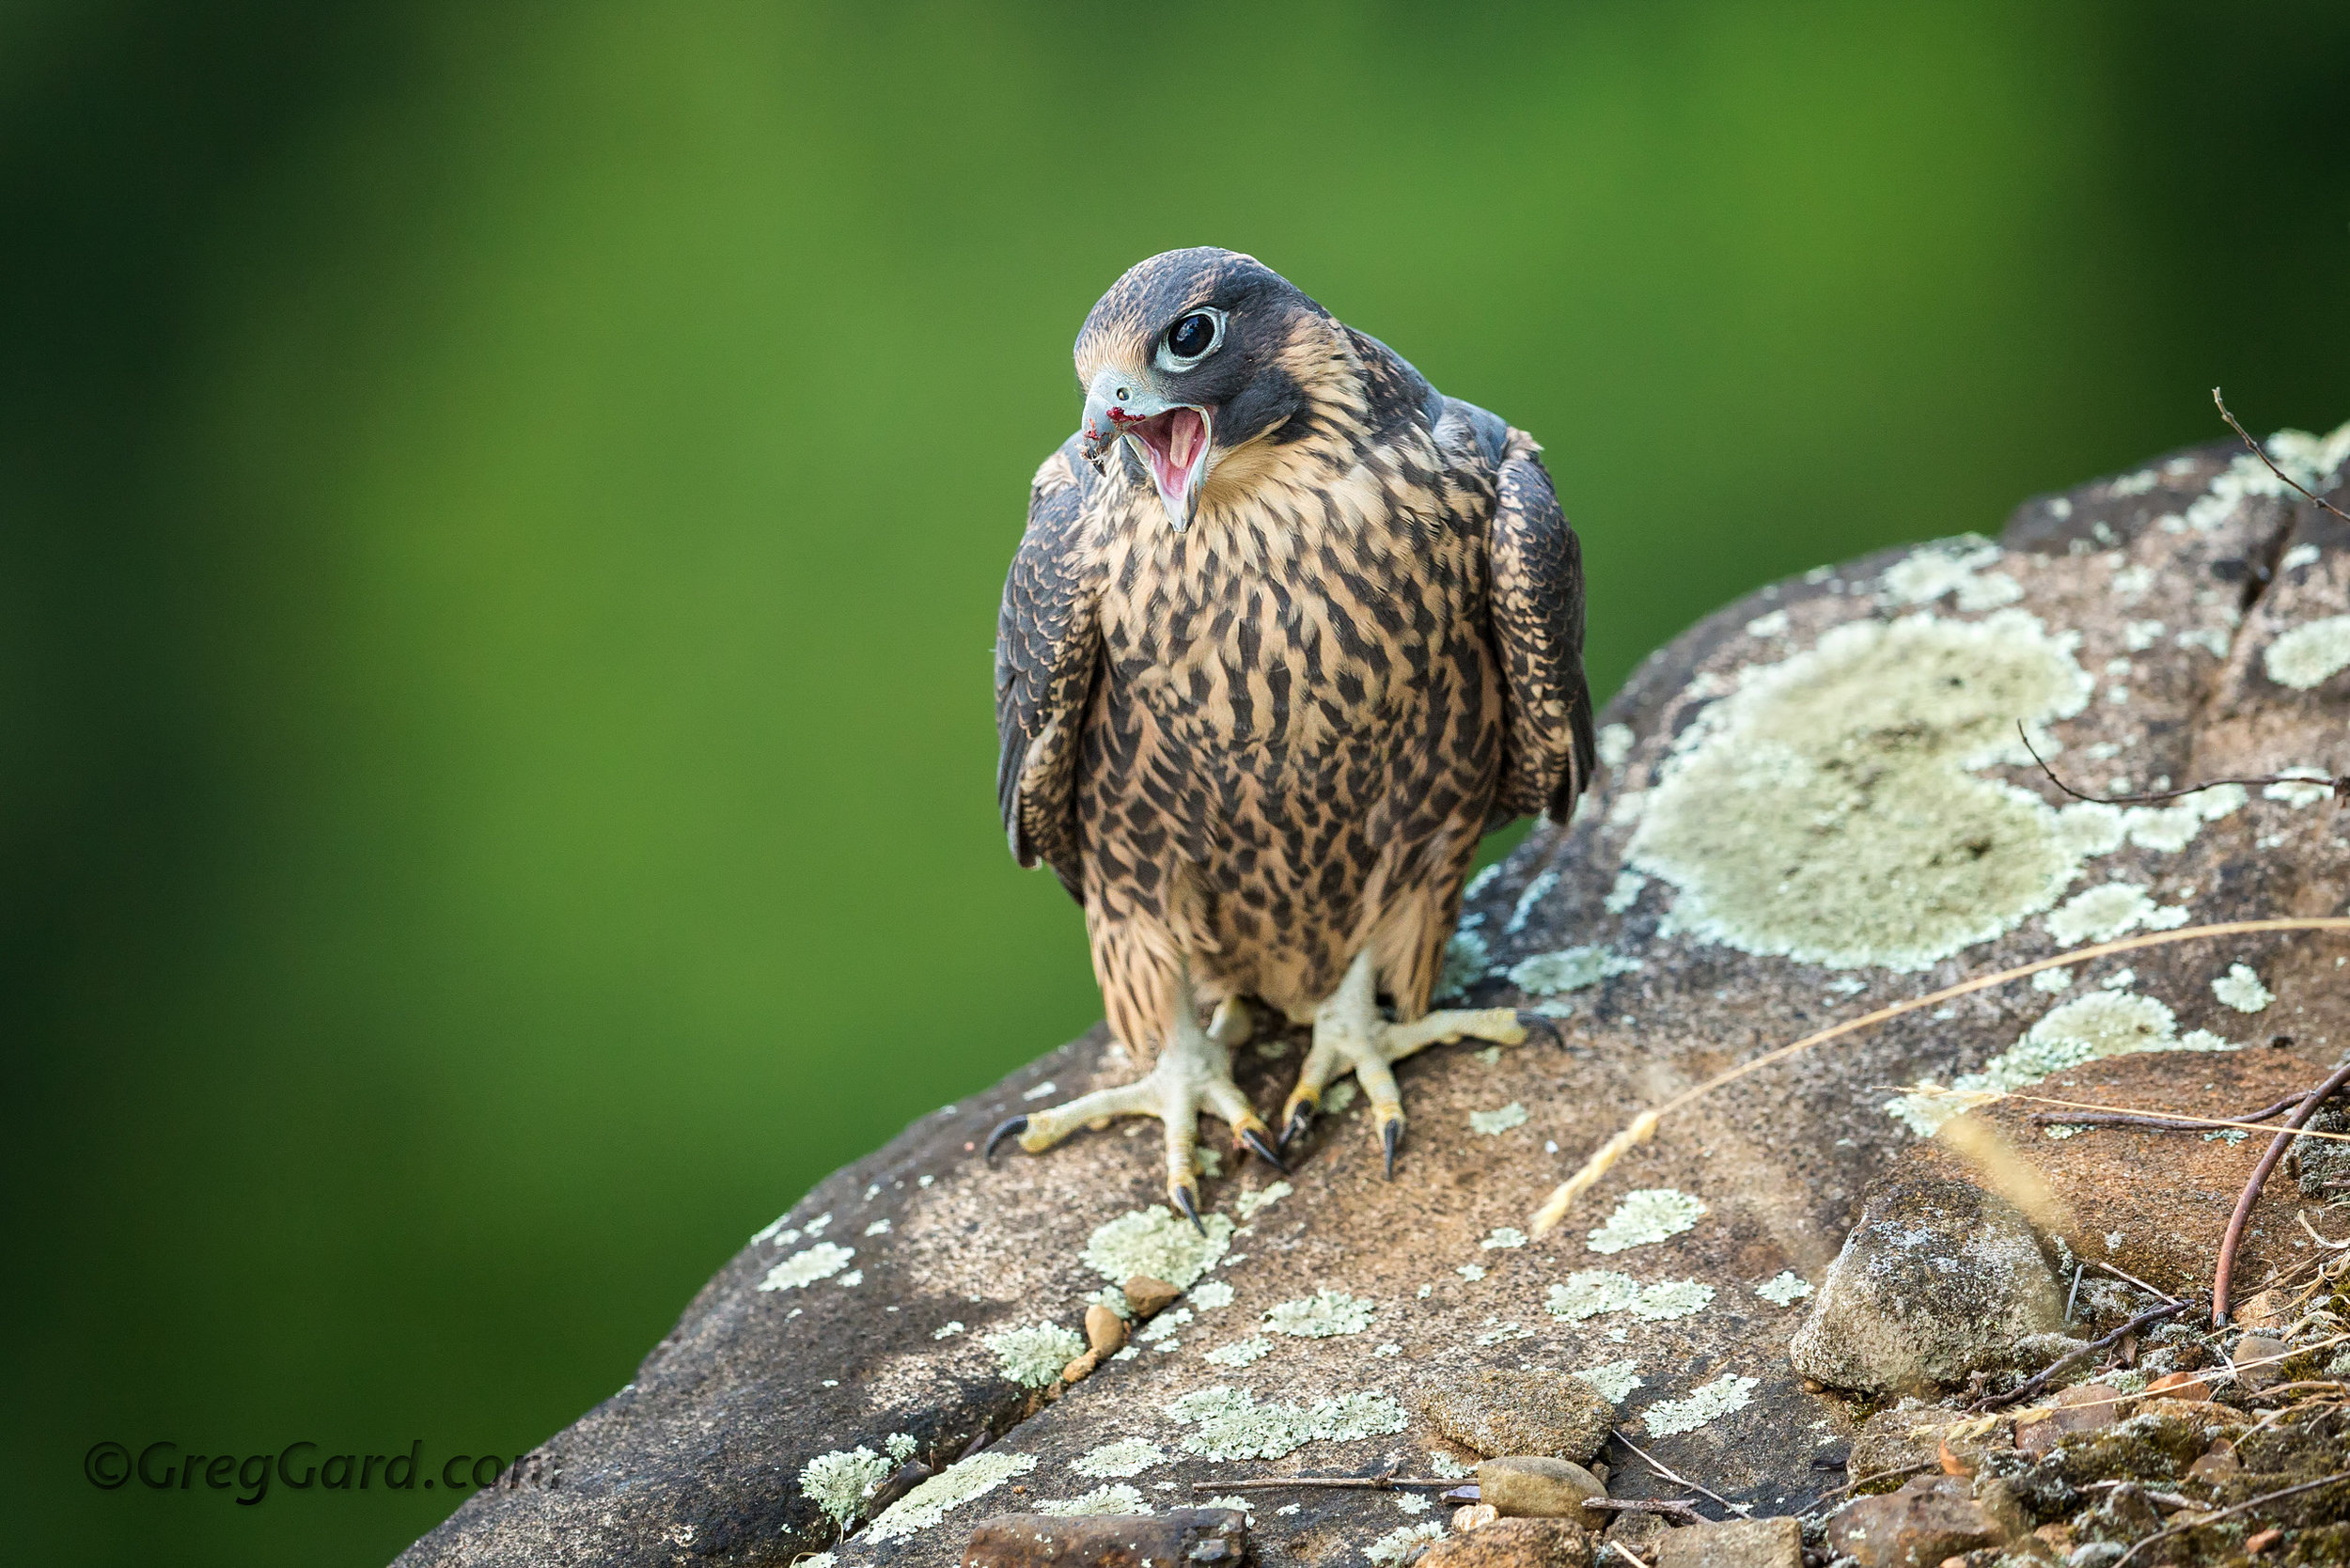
{"points": [[2038, 1380], [2252, 1193], [2271, 462], [2340, 783], [1658, 1465]]}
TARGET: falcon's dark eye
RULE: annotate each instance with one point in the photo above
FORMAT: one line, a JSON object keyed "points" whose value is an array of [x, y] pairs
{"points": [[1192, 337]]}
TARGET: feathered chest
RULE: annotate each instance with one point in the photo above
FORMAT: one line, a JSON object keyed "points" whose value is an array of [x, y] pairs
{"points": [[1301, 608]]}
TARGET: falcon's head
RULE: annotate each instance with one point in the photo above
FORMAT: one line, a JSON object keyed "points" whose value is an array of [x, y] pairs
{"points": [[1183, 359]]}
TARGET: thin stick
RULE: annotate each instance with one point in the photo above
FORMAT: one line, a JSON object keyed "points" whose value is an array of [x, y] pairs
{"points": [[1658, 1465], [1873, 1477], [2179, 1122], [2125, 1274], [2205, 1122], [2272, 466], [2340, 786], [2228, 1513], [2221, 1278], [1555, 1207], [1365, 1484], [1628, 1556], [2038, 1380]]}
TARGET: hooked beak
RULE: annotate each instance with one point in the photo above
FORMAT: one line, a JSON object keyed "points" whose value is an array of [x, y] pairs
{"points": [[1171, 438]]}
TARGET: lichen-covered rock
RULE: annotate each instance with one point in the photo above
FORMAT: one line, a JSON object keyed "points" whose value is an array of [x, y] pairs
{"points": [[1734, 1543], [1516, 1543], [1938, 1279], [1510, 1413], [1811, 845]]}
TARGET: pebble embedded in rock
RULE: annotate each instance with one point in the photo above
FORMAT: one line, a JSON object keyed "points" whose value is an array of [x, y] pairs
{"points": [[1930, 1518], [1471, 1516], [1735, 1544], [1104, 1329], [1514, 1544], [1519, 1413], [2180, 1385], [1081, 1367], [2083, 1408], [1534, 1487], [2259, 1360], [1149, 1297], [1939, 1279]]}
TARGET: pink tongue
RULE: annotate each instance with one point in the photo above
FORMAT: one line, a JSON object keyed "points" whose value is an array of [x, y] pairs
{"points": [[1182, 429]]}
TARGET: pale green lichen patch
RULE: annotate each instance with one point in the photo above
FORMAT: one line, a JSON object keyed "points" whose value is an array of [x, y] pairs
{"points": [[1249, 1202], [1706, 1405], [1128, 1456], [901, 1446], [839, 1481], [1784, 1290], [2090, 1028], [2242, 990], [2053, 981], [1493, 1124], [1208, 1294], [1155, 1242], [1240, 1353], [1113, 1298], [1339, 1098], [1590, 1293], [1320, 1315], [957, 1485], [1033, 1355], [1646, 1217], [1444, 1465], [1227, 1423], [1615, 745], [1614, 1381], [1160, 1326], [1827, 810], [1625, 893], [1390, 1549], [2102, 914], [2311, 654], [1951, 567], [1114, 1498], [1571, 969], [1503, 1235], [805, 1267]]}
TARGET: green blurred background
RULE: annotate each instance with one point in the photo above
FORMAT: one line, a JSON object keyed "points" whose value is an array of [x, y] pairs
{"points": [[502, 506]]}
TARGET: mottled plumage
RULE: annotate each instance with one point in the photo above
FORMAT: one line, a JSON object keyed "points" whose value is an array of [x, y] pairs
{"points": [[1259, 740]]}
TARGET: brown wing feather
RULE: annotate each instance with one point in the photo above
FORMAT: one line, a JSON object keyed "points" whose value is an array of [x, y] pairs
{"points": [[1048, 649], [1536, 567]]}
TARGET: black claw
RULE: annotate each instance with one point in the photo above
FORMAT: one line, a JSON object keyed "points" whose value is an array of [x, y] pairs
{"points": [[1263, 1151], [1391, 1138], [1012, 1128], [1191, 1209], [1300, 1118], [1544, 1022]]}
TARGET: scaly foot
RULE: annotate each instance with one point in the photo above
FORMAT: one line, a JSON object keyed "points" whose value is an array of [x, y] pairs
{"points": [[1351, 1036], [1194, 1073]]}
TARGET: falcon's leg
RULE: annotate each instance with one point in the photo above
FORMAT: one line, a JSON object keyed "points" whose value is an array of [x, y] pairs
{"points": [[1194, 1072], [1350, 1035]]}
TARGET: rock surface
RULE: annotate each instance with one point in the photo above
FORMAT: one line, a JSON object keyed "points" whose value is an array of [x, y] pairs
{"points": [[1810, 805], [1516, 1543], [1735, 1544]]}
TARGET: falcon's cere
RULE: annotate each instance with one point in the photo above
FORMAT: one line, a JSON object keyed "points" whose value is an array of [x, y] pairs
{"points": [[1288, 631]]}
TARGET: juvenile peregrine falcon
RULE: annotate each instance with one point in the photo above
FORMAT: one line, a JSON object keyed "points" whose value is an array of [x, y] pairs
{"points": [[1288, 631]]}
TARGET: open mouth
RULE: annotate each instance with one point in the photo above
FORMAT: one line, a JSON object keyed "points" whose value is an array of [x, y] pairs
{"points": [[1175, 444]]}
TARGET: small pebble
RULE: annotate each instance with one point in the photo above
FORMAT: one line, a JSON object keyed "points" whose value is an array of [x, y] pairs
{"points": [[1470, 1515], [1104, 1329], [1149, 1297], [1082, 1367]]}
